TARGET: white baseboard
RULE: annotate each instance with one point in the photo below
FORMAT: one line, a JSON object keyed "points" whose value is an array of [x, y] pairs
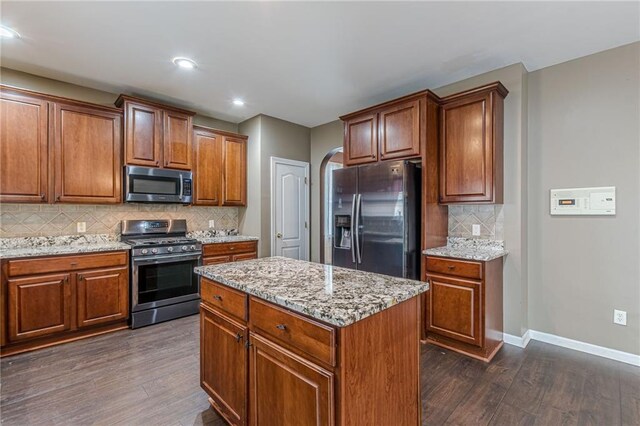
{"points": [[576, 345]]}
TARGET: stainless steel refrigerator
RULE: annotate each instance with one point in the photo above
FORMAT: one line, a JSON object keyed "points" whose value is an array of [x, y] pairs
{"points": [[376, 218]]}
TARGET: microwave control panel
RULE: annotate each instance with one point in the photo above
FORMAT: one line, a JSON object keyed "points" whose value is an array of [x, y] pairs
{"points": [[583, 201]]}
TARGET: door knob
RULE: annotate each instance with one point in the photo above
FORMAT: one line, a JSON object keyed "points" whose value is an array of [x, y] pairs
{"points": [[279, 235]]}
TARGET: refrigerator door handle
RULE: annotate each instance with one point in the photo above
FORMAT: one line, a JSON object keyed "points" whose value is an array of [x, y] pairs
{"points": [[353, 228], [357, 227]]}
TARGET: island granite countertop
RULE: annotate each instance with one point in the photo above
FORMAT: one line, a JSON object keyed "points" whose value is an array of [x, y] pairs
{"points": [[469, 249], [12, 248], [338, 296]]}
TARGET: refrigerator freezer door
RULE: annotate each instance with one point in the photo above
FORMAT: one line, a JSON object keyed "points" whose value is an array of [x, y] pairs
{"points": [[381, 230], [345, 184]]}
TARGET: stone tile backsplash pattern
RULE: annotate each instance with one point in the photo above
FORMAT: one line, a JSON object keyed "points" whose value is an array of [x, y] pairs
{"points": [[489, 217], [35, 220]]}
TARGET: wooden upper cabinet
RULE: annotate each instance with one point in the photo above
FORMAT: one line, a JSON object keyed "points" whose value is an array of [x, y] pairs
{"points": [[87, 154], [102, 296], [156, 135], [471, 146], [38, 306], [361, 140], [400, 130], [24, 141], [207, 172], [177, 140], [234, 171], [223, 364]]}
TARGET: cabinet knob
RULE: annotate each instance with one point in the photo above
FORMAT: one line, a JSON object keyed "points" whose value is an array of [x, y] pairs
{"points": [[80, 277], [238, 337], [281, 327], [42, 196], [218, 297], [157, 163], [57, 198], [232, 248], [381, 155], [451, 267], [373, 156]]}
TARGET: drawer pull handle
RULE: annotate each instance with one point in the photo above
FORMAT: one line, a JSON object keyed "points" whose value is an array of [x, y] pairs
{"points": [[232, 248], [238, 337], [218, 297], [80, 277], [451, 267], [281, 327]]}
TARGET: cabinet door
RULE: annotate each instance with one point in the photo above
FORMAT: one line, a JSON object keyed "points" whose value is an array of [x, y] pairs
{"points": [[286, 389], [143, 134], [177, 140], [24, 139], [207, 174], [103, 296], [88, 155], [245, 256], [400, 131], [454, 309], [467, 151], [361, 140], [215, 260], [234, 172], [224, 364], [39, 306]]}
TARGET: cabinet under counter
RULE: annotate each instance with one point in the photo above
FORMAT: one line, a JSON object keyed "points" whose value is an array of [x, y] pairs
{"points": [[319, 344]]}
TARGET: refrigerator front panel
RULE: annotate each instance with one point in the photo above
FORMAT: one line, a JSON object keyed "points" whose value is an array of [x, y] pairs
{"points": [[381, 218], [345, 185]]}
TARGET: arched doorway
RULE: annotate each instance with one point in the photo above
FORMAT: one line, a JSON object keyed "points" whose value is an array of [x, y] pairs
{"points": [[332, 161]]}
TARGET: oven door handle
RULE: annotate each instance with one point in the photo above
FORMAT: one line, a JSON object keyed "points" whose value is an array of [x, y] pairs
{"points": [[163, 259]]}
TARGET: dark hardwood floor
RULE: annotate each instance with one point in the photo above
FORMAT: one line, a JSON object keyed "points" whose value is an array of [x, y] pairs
{"points": [[150, 376]]}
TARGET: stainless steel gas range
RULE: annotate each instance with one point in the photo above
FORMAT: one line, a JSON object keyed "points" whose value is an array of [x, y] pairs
{"points": [[163, 284]]}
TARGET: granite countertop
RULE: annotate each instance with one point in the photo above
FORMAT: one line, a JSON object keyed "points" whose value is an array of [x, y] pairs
{"points": [[218, 236], [338, 296], [469, 249], [11, 248]]}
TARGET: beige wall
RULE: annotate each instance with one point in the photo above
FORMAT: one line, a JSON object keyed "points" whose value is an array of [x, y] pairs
{"points": [[514, 78], [584, 131], [68, 90], [275, 138], [323, 139]]}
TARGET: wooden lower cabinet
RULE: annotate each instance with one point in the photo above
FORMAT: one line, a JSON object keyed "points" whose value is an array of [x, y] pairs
{"points": [[216, 253], [39, 306], [55, 299], [286, 389], [262, 364], [463, 307], [223, 364]]}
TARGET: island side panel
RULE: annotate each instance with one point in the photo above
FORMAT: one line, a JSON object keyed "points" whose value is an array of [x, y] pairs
{"points": [[380, 368]]}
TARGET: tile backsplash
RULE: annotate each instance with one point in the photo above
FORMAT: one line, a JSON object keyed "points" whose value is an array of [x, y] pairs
{"points": [[34, 220], [489, 217]]}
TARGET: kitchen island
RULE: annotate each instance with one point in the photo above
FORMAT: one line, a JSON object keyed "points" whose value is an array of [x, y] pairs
{"points": [[288, 342]]}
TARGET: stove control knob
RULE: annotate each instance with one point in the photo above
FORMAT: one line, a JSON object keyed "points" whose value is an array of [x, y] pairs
{"points": [[154, 251], [144, 251], [184, 248], [192, 247], [169, 249]]}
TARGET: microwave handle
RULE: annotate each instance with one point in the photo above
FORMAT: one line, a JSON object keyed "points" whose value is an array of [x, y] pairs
{"points": [[181, 187]]}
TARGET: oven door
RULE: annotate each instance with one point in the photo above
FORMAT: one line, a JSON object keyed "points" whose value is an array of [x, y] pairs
{"points": [[164, 280], [146, 184]]}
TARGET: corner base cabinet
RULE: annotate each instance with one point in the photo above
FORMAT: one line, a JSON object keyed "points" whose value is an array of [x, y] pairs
{"points": [[463, 307], [262, 364], [56, 299]]}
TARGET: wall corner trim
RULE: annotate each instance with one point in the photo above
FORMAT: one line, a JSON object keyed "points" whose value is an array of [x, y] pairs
{"points": [[575, 345]]}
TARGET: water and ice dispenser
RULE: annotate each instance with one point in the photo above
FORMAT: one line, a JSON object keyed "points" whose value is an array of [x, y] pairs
{"points": [[342, 232]]}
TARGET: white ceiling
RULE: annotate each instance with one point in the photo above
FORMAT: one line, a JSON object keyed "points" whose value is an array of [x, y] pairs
{"points": [[303, 62]]}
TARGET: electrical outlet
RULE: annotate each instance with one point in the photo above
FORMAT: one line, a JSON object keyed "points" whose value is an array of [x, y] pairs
{"points": [[619, 317], [81, 226], [212, 223], [475, 229]]}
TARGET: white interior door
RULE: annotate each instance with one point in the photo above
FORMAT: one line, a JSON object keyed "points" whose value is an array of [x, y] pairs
{"points": [[289, 208]]}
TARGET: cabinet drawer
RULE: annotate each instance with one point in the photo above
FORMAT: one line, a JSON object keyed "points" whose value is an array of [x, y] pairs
{"points": [[218, 249], [66, 263], [215, 260], [224, 298], [459, 268], [294, 331]]}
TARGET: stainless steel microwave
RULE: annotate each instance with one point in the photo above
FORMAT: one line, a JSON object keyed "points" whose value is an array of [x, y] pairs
{"points": [[149, 185]]}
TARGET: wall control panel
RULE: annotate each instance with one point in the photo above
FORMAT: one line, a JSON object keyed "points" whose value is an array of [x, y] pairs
{"points": [[583, 201]]}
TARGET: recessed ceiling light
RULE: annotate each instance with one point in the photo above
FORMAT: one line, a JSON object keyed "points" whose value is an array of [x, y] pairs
{"points": [[185, 63], [6, 32], [238, 102]]}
